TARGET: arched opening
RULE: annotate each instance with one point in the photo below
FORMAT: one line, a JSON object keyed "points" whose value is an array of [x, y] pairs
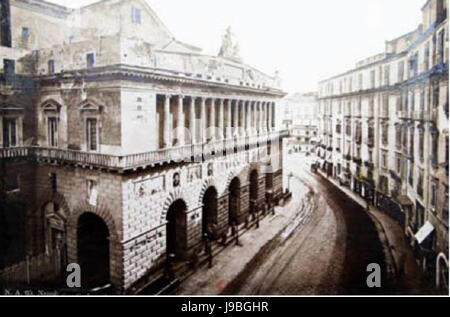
{"points": [[93, 250], [253, 190], [209, 211], [234, 201], [176, 230]]}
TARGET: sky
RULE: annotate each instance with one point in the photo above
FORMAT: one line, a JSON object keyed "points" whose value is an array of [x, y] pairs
{"points": [[306, 41]]}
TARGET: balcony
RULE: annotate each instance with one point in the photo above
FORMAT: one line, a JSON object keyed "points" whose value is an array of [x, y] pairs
{"points": [[13, 152], [141, 160]]}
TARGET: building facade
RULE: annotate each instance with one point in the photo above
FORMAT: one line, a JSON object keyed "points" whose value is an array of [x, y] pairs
{"points": [[384, 133], [299, 114], [121, 146]]}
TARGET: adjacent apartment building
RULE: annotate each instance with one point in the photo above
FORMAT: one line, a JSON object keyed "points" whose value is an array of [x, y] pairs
{"points": [[384, 132], [121, 146], [299, 114]]}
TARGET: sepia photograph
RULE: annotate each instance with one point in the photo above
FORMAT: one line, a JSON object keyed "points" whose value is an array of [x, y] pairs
{"points": [[224, 149]]}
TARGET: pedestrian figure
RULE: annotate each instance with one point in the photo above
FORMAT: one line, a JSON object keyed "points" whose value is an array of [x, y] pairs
{"points": [[236, 233], [206, 239], [257, 220], [169, 274]]}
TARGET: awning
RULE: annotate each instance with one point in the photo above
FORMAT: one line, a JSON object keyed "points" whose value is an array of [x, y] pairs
{"points": [[404, 201], [424, 232]]}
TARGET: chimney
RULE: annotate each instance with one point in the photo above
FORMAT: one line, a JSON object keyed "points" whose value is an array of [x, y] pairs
{"points": [[5, 23]]}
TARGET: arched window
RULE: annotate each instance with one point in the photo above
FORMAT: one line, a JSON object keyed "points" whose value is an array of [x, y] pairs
{"points": [[51, 115]]}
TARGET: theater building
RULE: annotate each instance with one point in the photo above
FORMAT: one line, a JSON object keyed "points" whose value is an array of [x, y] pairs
{"points": [[121, 145], [384, 133]]}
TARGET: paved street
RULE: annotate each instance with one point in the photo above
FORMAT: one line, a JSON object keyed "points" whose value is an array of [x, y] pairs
{"points": [[327, 254], [320, 242]]}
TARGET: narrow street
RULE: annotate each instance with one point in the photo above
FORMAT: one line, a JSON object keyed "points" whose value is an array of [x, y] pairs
{"points": [[327, 253]]}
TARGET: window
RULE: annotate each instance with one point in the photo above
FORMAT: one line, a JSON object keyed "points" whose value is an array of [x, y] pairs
{"points": [[9, 70], [411, 174], [398, 136], [398, 164], [433, 195], [436, 96], [372, 79], [434, 147], [421, 145], [90, 60], [384, 159], [92, 134], [10, 138], [401, 70], [348, 128], [360, 81], [52, 132], [384, 133], [136, 15], [411, 142], [51, 66], [440, 46], [387, 77], [385, 108], [426, 57], [25, 33], [420, 184]]}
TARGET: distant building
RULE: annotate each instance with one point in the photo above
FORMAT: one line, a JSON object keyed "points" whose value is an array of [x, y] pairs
{"points": [[298, 113], [384, 132], [120, 146]]}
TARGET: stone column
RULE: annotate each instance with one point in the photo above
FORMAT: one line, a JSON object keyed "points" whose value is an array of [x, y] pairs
{"points": [[248, 105], [259, 119], [167, 138], [212, 119], [253, 106], [272, 117], [243, 120], [264, 117], [180, 121], [236, 117], [192, 123], [269, 121], [203, 119], [221, 120], [229, 126]]}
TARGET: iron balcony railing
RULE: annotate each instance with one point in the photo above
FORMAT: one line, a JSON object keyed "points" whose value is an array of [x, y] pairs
{"points": [[133, 161]]}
